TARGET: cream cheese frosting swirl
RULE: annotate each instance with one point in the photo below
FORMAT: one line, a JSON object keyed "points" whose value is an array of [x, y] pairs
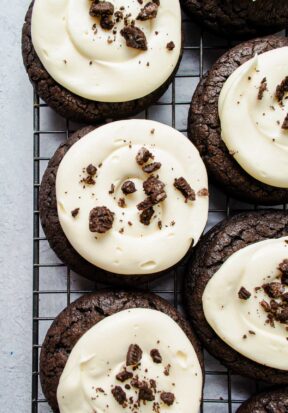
{"points": [[89, 375], [252, 126], [130, 247], [243, 323], [96, 64]]}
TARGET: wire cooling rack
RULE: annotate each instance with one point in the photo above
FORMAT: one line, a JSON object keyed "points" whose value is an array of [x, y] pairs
{"points": [[55, 286]]}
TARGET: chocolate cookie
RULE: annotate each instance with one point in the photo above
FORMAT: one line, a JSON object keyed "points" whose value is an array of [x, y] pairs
{"points": [[71, 105], [83, 314], [205, 131], [214, 249], [239, 19], [127, 219], [273, 401]]}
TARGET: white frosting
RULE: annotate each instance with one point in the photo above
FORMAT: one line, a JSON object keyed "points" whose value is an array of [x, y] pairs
{"points": [[100, 354], [65, 42], [252, 128], [232, 318], [140, 249]]}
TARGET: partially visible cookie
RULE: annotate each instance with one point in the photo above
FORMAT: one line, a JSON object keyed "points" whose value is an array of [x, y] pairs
{"points": [[273, 401], [87, 321], [244, 19], [103, 66], [204, 128], [224, 289]]}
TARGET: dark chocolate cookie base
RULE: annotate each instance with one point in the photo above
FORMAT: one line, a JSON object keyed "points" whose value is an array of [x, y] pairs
{"points": [[59, 242], [83, 314], [72, 106], [204, 127], [211, 252], [239, 19], [273, 401]]}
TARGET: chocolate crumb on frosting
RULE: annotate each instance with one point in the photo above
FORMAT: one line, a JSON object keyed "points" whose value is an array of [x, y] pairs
{"points": [[112, 189], [244, 294], [119, 394], [182, 185], [143, 156], [156, 356], [283, 267], [146, 393], [285, 122], [91, 169], [104, 10], [170, 46], [167, 370], [100, 219], [148, 12], [124, 375], [262, 88], [151, 167], [154, 188], [134, 37], [203, 192], [128, 187], [146, 215], [121, 203], [134, 355], [281, 90], [167, 398], [273, 289], [75, 212]]}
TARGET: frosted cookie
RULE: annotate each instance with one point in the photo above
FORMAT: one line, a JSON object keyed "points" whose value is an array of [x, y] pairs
{"points": [[236, 293], [238, 121], [239, 18], [92, 60], [121, 352], [124, 202]]}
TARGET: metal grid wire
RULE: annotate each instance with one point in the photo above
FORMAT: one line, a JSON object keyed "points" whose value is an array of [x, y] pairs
{"points": [[55, 286]]}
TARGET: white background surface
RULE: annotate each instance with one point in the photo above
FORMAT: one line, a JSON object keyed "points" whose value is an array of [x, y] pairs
{"points": [[15, 214]]}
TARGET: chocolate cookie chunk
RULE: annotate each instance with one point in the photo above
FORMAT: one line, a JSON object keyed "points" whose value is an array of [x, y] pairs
{"points": [[70, 105], [205, 132], [59, 242], [239, 19], [274, 401], [83, 314], [212, 251]]}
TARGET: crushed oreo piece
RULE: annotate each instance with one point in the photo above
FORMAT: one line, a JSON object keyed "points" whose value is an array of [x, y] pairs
{"points": [[107, 24], [124, 375], [262, 88], [203, 192], [156, 356], [89, 180], [119, 394], [101, 8], [134, 355], [167, 370], [281, 90], [283, 267], [75, 212], [147, 203], [134, 37], [170, 46], [146, 215], [182, 185], [91, 169], [146, 394], [100, 220], [112, 189], [121, 203], [148, 12], [143, 156], [273, 289], [155, 189], [151, 167], [266, 306], [244, 294], [167, 398], [128, 187], [285, 123]]}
